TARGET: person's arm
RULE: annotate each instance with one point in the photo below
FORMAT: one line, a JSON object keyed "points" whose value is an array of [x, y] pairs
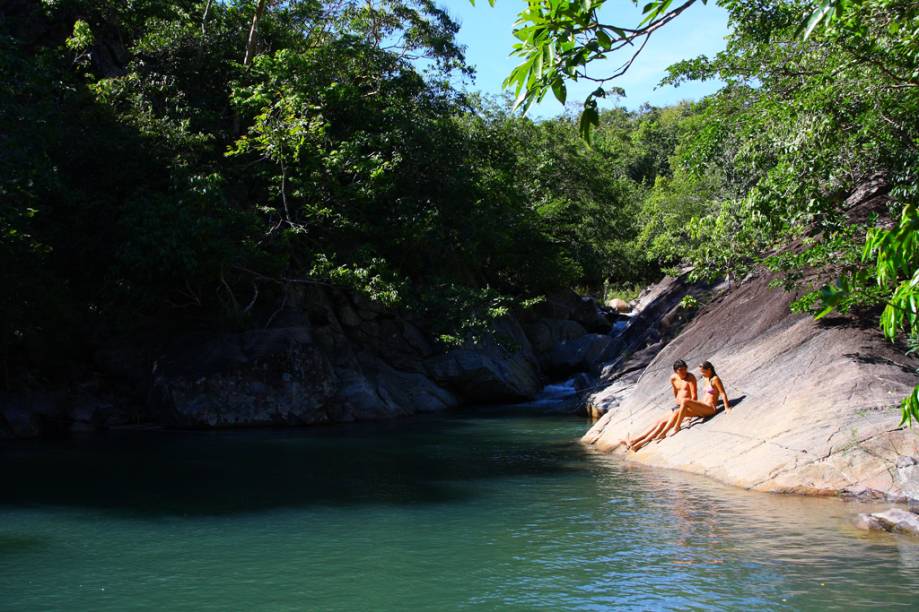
{"points": [[724, 394], [676, 391], [693, 388]]}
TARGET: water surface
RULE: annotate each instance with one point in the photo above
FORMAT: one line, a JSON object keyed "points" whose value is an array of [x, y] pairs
{"points": [[486, 509]]}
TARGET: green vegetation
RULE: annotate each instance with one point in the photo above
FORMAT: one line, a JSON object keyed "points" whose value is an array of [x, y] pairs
{"points": [[177, 164], [819, 98]]}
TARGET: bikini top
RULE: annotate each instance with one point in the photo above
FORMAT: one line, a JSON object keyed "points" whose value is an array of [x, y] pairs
{"points": [[710, 390]]}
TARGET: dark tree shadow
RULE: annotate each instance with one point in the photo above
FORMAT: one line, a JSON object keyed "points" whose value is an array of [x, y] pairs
{"points": [[423, 460]]}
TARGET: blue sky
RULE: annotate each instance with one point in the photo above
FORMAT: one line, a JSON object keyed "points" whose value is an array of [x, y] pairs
{"points": [[486, 32]]}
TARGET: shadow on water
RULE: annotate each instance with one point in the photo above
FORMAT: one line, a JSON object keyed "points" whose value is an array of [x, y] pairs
{"points": [[422, 460]]}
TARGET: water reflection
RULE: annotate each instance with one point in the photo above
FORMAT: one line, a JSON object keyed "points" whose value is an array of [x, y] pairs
{"points": [[480, 510]]}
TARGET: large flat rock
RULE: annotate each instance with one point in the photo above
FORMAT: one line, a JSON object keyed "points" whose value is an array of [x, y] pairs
{"points": [[819, 403]]}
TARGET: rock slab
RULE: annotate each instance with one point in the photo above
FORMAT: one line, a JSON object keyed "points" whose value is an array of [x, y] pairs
{"points": [[894, 520], [819, 412]]}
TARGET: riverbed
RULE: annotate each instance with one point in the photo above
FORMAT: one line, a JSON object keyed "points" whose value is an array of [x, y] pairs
{"points": [[486, 508]]}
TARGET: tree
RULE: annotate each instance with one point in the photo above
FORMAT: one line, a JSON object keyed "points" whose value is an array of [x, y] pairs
{"points": [[819, 96]]}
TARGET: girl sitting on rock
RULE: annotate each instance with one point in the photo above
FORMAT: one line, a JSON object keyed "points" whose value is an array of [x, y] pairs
{"points": [[684, 386], [708, 406]]}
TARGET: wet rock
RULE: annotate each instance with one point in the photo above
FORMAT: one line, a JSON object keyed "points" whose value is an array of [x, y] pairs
{"points": [[894, 520]]}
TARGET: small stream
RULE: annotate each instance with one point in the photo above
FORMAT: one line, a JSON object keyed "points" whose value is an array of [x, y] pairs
{"points": [[486, 508]]}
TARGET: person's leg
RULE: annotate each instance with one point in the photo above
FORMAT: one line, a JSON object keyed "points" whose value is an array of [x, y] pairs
{"points": [[630, 442], [671, 422], [649, 435], [688, 408]]}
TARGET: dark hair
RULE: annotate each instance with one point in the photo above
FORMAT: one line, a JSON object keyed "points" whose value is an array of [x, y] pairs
{"points": [[707, 365], [679, 363]]}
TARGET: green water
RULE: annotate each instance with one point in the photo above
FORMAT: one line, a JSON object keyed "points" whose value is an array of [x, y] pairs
{"points": [[482, 510]]}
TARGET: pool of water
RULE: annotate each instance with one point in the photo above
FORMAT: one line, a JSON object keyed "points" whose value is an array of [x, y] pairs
{"points": [[486, 509]]}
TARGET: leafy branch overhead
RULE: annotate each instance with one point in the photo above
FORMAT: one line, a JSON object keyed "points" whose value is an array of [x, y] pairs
{"points": [[819, 96], [560, 39]]}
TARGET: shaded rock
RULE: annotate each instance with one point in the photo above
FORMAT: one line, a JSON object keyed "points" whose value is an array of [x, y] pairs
{"points": [[503, 368], [483, 377], [820, 402], [90, 412], [272, 377], [568, 305], [33, 414], [577, 355], [129, 364], [544, 334], [894, 520], [348, 316], [410, 389]]}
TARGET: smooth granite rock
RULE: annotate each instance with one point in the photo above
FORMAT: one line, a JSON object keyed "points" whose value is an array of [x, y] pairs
{"points": [[819, 411]]}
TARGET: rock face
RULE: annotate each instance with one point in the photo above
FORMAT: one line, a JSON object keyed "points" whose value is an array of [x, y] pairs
{"points": [[818, 414], [659, 317], [500, 368], [325, 356], [328, 359]]}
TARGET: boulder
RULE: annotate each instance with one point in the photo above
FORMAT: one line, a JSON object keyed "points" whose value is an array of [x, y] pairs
{"points": [[582, 354], [545, 334], [819, 412], [481, 376], [894, 520], [33, 414], [568, 305], [268, 377], [619, 305], [500, 368]]}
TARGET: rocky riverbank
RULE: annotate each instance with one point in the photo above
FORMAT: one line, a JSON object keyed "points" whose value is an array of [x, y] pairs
{"points": [[816, 402], [326, 356]]}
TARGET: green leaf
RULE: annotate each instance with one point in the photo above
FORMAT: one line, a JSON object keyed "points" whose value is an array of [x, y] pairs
{"points": [[560, 91]]}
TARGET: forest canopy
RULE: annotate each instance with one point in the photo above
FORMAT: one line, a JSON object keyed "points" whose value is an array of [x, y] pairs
{"points": [[175, 164]]}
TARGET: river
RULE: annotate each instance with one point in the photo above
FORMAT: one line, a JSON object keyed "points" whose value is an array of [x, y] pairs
{"points": [[486, 509]]}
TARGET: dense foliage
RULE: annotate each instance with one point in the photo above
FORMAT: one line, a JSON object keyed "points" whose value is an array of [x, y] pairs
{"points": [[819, 99], [176, 164]]}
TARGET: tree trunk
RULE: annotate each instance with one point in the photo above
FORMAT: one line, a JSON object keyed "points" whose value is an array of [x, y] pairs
{"points": [[250, 44]]}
